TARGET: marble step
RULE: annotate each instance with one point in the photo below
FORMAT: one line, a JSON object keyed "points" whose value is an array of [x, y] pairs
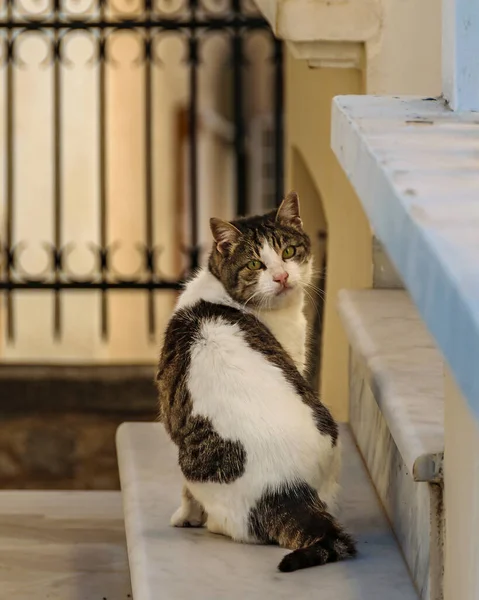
{"points": [[397, 419], [62, 546], [178, 564]]}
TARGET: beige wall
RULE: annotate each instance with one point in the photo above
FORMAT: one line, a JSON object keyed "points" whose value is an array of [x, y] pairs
{"points": [[308, 116], [461, 495], [125, 168], [128, 339], [314, 221], [404, 58]]}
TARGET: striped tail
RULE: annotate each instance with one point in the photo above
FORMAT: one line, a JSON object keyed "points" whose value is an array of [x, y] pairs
{"points": [[294, 517], [326, 550]]}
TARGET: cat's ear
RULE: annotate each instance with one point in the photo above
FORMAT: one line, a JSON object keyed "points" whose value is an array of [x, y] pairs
{"points": [[288, 212], [225, 234]]}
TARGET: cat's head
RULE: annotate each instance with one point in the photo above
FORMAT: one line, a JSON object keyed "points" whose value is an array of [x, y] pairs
{"points": [[263, 261]]}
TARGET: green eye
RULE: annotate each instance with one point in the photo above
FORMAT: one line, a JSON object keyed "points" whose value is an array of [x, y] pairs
{"points": [[289, 252], [254, 265]]}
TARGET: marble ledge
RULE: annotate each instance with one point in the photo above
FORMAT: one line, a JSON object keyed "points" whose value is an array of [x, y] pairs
{"points": [[218, 568], [405, 372], [408, 503], [413, 164]]}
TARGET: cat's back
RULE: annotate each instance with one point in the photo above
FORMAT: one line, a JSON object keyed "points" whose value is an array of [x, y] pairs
{"points": [[237, 377], [198, 332], [205, 329]]}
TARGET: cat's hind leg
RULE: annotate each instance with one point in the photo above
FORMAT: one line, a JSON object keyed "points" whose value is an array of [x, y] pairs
{"points": [[214, 526], [190, 513]]}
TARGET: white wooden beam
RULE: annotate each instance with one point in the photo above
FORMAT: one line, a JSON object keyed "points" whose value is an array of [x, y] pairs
{"points": [[460, 53]]}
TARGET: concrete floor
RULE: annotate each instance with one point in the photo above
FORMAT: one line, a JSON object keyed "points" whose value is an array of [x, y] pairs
{"points": [[62, 546]]}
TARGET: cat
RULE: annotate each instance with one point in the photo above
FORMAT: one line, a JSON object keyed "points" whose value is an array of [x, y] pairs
{"points": [[259, 452]]}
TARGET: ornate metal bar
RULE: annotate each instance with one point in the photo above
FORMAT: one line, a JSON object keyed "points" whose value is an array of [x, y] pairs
{"points": [[193, 20]]}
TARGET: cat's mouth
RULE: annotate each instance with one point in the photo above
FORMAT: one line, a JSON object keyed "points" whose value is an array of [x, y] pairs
{"points": [[284, 289]]}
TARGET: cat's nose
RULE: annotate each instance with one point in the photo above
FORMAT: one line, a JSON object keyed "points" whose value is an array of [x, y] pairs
{"points": [[282, 278]]}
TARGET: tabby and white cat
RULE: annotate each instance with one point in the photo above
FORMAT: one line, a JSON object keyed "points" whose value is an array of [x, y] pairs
{"points": [[259, 452]]}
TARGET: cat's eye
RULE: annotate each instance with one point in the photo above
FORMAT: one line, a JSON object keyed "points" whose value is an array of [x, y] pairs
{"points": [[289, 252], [254, 265]]}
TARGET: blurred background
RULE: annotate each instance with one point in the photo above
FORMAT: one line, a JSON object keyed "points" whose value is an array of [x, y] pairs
{"points": [[125, 125]]}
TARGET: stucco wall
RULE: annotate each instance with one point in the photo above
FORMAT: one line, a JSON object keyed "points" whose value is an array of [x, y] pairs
{"points": [[308, 116]]}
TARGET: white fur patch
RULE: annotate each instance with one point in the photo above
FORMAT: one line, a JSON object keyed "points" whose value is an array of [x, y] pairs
{"points": [[275, 267], [205, 286], [287, 323], [189, 514], [289, 327], [248, 399]]}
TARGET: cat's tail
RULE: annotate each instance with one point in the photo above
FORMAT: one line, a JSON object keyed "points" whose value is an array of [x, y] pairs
{"points": [[330, 548], [322, 541], [295, 518]]}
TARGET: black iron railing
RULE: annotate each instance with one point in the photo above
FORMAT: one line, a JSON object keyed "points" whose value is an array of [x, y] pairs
{"points": [[101, 19]]}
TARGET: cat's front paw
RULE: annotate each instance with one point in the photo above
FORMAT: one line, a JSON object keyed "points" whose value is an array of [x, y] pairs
{"points": [[183, 518]]}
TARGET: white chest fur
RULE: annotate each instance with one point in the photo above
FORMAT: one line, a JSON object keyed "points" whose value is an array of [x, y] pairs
{"points": [[289, 327]]}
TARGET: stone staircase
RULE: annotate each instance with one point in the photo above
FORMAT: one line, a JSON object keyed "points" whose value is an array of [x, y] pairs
{"points": [[397, 419], [392, 483], [179, 564], [392, 492]]}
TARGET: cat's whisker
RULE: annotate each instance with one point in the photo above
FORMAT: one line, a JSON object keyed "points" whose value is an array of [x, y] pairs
{"points": [[321, 271], [316, 308], [318, 291], [253, 295], [316, 294], [264, 302], [314, 286]]}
